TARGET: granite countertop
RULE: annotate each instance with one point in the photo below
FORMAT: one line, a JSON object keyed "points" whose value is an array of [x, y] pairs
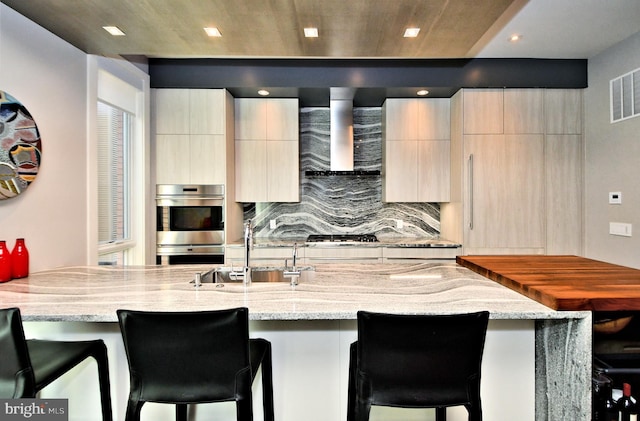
{"points": [[333, 292], [404, 242]]}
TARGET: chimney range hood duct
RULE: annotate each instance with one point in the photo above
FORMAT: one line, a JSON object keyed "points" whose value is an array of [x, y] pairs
{"points": [[341, 109], [341, 146]]}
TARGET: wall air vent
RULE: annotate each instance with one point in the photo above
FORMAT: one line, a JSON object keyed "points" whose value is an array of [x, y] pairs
{"points": [[625, 96]]}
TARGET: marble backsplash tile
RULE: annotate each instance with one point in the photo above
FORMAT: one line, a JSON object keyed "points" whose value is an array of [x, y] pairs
{"points": [[342, 204]]}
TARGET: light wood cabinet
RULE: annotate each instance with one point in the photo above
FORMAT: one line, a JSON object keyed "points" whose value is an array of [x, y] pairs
{"points": [[393, 255], [267, 150], [194, 143], [416, 135], [265, 256], [523, 111], [483, 111], [505, 192], [563, 111], [518, 190], [190, 136], [342, 254], [564, 162]]}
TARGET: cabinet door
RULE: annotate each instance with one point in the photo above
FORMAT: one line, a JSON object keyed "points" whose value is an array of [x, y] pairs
{"points": [[171, 111], [338, 254], [208, 160], [400, 171], [283, 171], [434, 157], [172, 156], [250, 119], [207, 111], [434, 119], [523, 111], [400, 119], [563, 109], [251, 171], [563, 163], [282, 119], [505, 177], [483, 111]]}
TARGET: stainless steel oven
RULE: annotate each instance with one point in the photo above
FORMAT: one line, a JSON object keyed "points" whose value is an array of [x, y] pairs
{"points": [[190, 224]]}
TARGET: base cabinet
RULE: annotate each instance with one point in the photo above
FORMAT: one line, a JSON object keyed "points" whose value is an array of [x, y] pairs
{"points": [[394, 255]]}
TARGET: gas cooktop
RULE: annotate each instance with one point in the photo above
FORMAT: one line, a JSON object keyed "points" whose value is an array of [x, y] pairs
{"points": [[342, 238]]}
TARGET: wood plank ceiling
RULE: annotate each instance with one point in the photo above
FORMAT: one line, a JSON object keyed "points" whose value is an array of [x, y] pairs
{"points": [[269, 28]]}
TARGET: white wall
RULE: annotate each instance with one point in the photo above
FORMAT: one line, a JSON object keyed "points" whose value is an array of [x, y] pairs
{"points": [[612, 160], [48, 76]]}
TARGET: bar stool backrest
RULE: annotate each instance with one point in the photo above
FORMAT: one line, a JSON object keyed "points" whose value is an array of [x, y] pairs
{"points": [[418, 361], [16, 373], [187, 357]]}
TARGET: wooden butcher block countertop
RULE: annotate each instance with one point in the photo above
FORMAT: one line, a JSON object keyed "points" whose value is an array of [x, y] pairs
{"points": [[563, 282]]}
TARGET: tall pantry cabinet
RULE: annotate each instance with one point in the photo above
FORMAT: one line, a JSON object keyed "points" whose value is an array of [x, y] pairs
{"points": [[516, 172], [193, 132]]}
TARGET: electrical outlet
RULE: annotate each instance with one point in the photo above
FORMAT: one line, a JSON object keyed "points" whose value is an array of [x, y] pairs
{"points": [[272, 224]]}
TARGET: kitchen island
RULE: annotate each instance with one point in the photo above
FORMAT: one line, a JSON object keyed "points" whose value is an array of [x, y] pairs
{"points": [[537, 362]]}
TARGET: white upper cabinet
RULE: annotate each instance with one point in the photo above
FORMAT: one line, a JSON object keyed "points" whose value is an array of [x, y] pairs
{"points": [[416, 150], [267, 150], [190, 135]]}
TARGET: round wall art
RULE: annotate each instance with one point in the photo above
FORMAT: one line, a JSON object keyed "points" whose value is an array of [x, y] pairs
{"points": [[20, 147]]}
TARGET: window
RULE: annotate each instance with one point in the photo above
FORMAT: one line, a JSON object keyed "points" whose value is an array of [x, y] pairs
{"points": [[625, 96], [114, 184]]}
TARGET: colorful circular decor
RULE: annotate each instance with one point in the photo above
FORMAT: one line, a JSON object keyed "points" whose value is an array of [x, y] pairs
{"points": [[20, 147]]}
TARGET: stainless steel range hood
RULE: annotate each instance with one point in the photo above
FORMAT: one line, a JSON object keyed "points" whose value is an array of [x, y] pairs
{"points": [[341, 145], [341, 110]]}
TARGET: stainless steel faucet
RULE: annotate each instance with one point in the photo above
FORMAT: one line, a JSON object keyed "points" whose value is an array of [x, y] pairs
{"points": [[248, 244], [295, 255]]}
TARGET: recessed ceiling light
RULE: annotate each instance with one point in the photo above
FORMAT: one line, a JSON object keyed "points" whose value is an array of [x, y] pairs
{"points": [[422, 92], [263, 92], [515, 37], [311, 32], [113, 30], [212, 32], [411, 32]]}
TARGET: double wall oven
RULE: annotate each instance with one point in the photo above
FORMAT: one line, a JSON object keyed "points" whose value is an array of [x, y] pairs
{"points": [[190, 224]]}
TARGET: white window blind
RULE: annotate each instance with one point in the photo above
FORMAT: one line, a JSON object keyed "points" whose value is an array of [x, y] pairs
{"points": [[114, 138], [625, 96]]}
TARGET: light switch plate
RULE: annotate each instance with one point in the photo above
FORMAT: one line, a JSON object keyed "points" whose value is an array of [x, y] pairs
{"points": [[272, 224], [399, 224], [618, 228]]}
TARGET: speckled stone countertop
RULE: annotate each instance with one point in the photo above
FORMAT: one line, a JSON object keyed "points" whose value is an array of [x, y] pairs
{"points": [[330, 292], [412, 242]]}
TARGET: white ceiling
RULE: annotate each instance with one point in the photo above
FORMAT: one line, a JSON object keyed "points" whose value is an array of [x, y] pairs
{"points": [[564, 29]]}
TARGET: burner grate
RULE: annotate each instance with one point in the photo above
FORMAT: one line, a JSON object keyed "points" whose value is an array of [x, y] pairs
{"points": [[342, 238]]}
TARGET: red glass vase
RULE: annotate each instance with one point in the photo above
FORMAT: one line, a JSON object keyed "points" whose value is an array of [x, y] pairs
{"points": [[19, 260], [5, 262]]}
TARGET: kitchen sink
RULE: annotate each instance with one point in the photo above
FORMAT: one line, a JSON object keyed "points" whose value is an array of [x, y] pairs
{"points": [[229, 275]]}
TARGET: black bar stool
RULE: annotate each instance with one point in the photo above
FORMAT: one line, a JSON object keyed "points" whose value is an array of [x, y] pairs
{"points": [[27, 366], [183, 358], [418, 361]]}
